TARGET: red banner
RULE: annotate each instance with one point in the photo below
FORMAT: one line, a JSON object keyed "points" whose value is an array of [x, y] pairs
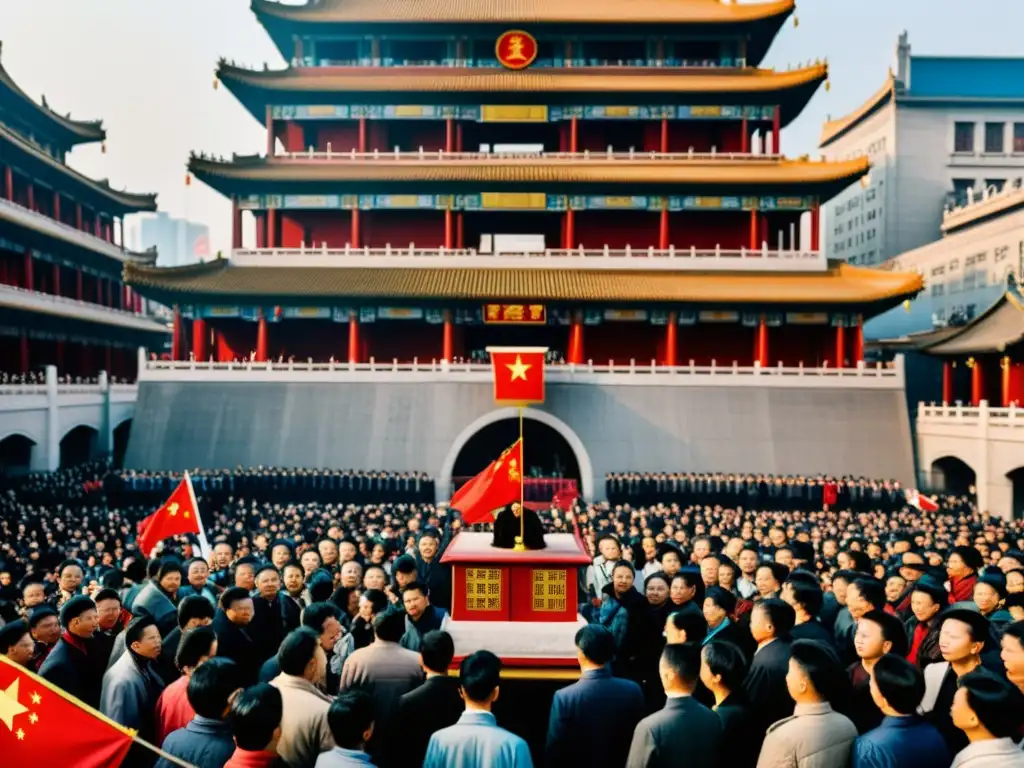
{"points": [[498, 485], [518, 374]]}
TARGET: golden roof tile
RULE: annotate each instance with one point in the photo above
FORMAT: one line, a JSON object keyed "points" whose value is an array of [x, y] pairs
{"points": [[473, 80], [840, 284], [526, 11]]}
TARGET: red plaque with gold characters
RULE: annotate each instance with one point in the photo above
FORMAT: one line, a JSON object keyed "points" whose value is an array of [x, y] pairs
{"points": [[516, 49]]}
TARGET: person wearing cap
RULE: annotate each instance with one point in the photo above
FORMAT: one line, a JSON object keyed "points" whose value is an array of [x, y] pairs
{"points": [[989, 594], [963, 635], [404, 573], [987, 710], [69, 666], [962, 568]]}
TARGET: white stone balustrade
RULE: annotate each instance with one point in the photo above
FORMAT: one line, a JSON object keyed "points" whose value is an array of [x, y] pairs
{"points": [[585, 156]]}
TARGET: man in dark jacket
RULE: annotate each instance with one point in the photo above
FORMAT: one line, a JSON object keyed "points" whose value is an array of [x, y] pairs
{"points": [[685, 728], [434, 705], [420, 616], [233, 641], [206, 740], [592, 720], [431, 572], [69, 666], [193, 611], [267, 626], [771, 621]]}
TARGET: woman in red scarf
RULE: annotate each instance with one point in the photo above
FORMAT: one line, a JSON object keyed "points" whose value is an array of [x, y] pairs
{"points": [[962, 568]]}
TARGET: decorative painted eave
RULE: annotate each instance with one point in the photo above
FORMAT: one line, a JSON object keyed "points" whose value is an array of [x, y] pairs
{"points": [[61, 127], [993, 331], [258, 88], [835, 129], [127, 202], [220, 280], [707, 175]]}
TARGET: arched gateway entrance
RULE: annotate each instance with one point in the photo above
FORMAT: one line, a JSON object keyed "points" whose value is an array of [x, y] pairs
{"points": [[550, 445]]}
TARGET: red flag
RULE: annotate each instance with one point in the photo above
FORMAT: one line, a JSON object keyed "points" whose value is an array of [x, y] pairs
{"points": [[178, 515], [518, 374], [498, 485], [39, 723], [923, 503]]}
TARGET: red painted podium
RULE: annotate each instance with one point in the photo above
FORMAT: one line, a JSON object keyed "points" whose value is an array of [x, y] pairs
{"points": [[519, 605]]}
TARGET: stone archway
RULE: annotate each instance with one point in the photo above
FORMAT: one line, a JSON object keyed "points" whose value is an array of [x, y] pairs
{"points": [[16, 454], [586, 470], [78, 445], [952, 474], [1016, 477]]}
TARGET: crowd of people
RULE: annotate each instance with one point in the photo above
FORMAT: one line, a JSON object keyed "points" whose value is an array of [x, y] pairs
{"points": [[826, 624]]}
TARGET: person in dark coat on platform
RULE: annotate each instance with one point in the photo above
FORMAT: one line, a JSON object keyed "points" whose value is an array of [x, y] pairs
{"points": [[592, 721], [233, 640], [723, 668], [771, 621], [69, 666], [510, 521], [434, 705], [684, 730]]}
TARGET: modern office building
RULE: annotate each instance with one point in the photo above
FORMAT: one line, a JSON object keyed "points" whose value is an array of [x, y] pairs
{"points": [[938, 127], [178, 242]]}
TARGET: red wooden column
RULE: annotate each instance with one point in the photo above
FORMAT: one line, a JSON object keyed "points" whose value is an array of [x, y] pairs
{"points": [[761, 343], [9, 183], [840, 346], [672, 340], [816, 226], [271, 228], [777, 131], [858, 341], [664, 135], [261, 338], [353, 336], [753, 230], [1005, 368], [361, 146], [663, 228], [78, 217], [31, 196], [448, 339], [947, 382], [56, 280], [449, 135], [236, 225], [354, 234], [977, 382], [29, 278], [576, 338], [745, 136], [570, 229], [574, 134], [56, 205], [199, 338], [449, 228], [176, 335]]}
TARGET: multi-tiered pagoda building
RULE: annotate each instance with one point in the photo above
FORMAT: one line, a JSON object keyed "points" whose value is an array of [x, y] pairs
{"points": [[602, 178], [62, 299]]}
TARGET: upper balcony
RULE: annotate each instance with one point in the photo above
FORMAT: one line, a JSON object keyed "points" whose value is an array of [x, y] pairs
{"points": [[648, 259], [15, 298], [501, 156], [971, 207]]}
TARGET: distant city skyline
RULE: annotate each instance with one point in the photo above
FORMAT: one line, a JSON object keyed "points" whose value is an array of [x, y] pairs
{"points": [[149, 74]]}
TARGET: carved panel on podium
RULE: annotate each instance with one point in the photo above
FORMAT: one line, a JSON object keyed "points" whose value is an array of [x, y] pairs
{"points": [[483, 589], [549, 590]]}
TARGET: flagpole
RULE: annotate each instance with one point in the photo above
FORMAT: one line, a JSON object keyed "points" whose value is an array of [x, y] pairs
{"points": [[204, 544], [520, 545]]}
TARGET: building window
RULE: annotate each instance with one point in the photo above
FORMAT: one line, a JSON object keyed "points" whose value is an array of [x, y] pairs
{"points": [[963, 137], [1018, 137], [994, 133], [954, 265], [960, 188], [996, 184], [937, 289], [1002, 252]]}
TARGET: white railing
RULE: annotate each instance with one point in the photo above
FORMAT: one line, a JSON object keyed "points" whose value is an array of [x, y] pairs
{"points": [[497, 157], [67, 389], [22, 298], [42, 223], [716, 259], [50, 297], [967, 415], [989, 200], [630, 373]]}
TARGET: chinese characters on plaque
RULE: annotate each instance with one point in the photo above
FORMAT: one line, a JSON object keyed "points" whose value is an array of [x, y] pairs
{"points": [[483, 589], [514, 314], [549, 590]]}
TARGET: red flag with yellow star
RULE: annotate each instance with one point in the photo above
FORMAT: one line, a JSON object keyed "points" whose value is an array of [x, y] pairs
{"points": [[518, 374], [494, 488], [40, 724], [178, 515]]}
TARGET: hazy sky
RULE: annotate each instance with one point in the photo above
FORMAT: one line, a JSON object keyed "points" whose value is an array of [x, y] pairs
{"points": [[146, 67]]}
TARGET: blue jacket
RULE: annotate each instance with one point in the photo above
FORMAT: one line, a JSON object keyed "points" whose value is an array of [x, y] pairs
{"points": [[592, 721], [344, 758], [476, 741], [899, 742], [202, 742]]}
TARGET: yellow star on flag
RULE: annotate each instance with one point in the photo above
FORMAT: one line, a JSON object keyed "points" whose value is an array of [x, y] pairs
{"points": [[33, 718], [10, 707], [172, 509], [20, 734], [518, 369], [36, 698]]}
